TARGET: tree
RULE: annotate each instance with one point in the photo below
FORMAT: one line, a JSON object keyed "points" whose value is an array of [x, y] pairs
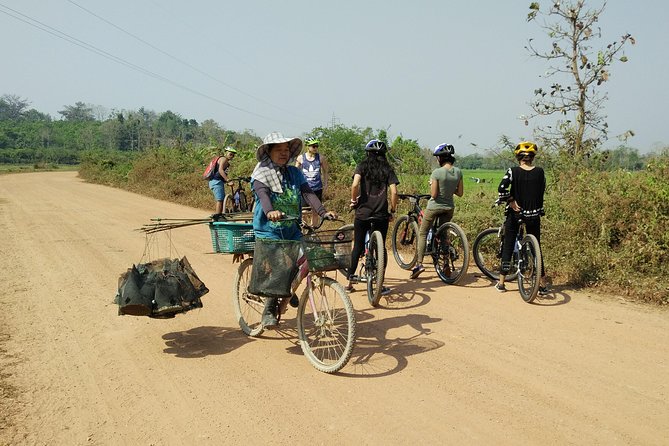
{"points": [[572, 30], [78, 112], [12, 107]]}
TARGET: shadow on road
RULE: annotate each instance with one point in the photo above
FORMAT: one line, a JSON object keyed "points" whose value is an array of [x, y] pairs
{"points": [[204, 341]]}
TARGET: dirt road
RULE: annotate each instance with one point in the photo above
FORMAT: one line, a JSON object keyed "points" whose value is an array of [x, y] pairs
{"points": [[434, 365]]}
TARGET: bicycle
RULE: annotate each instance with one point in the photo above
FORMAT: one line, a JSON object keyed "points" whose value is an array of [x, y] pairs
{"points": [[446, 243], [525, 260], [372, 265], [236, 200], [325, 316]]}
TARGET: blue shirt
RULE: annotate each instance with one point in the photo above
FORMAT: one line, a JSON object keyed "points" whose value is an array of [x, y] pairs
{"points": [[289, 202]]}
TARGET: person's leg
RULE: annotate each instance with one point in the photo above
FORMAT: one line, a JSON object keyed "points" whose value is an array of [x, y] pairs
{"points": [[510, 232], [359, 230], [428, 218], [218, 190]]}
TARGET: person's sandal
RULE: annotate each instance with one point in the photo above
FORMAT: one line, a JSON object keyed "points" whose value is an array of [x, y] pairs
{"points": [[500, 287]]}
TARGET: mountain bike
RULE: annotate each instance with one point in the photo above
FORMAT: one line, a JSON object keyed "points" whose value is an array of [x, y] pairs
{"points": [[525, 260], [372, 264], [236, 200], [325, 317], [446, 243]]}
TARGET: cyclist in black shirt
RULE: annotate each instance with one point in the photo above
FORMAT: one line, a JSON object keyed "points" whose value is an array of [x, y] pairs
{"points": [[522, 188]]}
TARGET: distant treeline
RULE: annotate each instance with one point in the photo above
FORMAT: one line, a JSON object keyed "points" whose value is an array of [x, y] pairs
{"points": [[30, 136]]}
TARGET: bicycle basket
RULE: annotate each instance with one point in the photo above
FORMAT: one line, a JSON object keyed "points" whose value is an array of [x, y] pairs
{"points": [[329, 250], [274, 267], [232, 238]]}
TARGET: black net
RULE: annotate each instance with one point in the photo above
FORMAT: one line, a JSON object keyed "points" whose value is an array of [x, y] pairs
{"points": [[329, 250], [274, 267], [160, 287]]}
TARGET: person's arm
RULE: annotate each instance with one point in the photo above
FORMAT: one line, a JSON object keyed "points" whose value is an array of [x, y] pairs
{"points": [[434, 188], [263, 193], [298, 162], [223, 163], [459, 190], [312, 200], [355, 189], [324, 173], [393, 197]]}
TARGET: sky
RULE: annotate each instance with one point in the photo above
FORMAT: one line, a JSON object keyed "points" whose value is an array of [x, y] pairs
{"points": [[430, 70]]}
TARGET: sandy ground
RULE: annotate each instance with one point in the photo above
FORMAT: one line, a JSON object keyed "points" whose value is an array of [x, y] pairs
{"points": [[434, 365]]}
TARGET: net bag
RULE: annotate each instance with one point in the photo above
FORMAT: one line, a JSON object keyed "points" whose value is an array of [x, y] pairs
{"points": [[274, 267], [329, 250]]}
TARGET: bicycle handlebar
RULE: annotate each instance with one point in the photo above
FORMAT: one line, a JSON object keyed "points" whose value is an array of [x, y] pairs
{"points": [[416, 196], [303, 224]]}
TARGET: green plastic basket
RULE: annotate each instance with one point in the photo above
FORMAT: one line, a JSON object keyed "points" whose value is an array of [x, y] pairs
{"points": [[232, 238]]}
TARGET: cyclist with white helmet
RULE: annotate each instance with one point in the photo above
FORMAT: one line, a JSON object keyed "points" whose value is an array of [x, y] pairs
{"points": [[445, 181]]}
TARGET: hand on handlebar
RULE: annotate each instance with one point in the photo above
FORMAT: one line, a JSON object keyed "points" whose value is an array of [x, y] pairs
{"points": [[275, 215]]}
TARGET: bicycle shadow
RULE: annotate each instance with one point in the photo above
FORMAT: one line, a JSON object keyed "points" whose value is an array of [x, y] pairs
{"points": [[557, 296], [377, 355], [204, 341]]}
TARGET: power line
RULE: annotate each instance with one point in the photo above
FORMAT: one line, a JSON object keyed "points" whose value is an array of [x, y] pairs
{"points": [[80, 43], [176, 58]]}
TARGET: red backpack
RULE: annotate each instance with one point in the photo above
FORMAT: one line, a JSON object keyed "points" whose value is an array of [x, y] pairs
{"points": [[211, 169]]}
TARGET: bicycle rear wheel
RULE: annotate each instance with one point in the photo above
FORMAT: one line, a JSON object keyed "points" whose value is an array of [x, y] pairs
{"points": [[243, 203], [450, 253], [487, 251], [529, 268], [405, 242], [248, 307], [326, 325], [344, 251], [375, 266]]}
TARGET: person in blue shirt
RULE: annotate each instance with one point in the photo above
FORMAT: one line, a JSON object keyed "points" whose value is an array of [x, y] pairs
{"points": [[279, 187]]}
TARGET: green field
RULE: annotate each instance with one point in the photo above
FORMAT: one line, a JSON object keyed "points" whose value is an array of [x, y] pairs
{"points": [[21, 168]]}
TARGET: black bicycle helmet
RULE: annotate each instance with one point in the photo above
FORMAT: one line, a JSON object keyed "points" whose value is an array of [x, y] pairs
{"points": [[376, 145]]}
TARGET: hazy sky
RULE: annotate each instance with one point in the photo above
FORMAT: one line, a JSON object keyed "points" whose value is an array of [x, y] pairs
{"points": [[433, 70]]}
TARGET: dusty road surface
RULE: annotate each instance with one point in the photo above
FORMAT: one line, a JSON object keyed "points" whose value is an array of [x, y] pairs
{"points": [[434, 365]]}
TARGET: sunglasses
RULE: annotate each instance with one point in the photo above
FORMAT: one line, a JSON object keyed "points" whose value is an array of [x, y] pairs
{"points": [[527, 155]]}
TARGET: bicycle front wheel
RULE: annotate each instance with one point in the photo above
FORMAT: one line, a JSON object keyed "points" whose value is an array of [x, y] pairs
{"points": [[529, 268], [248, 307], [405, 242], [375, 266], [450, 253], [326, 325], [228, 204]]}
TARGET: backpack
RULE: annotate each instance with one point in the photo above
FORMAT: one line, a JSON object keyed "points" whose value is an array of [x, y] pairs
{"points": [[211, 169]]}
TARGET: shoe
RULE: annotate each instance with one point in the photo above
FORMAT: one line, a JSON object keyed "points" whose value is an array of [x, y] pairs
{"points": [[500, 287], [385, 291], [349, 288], [294, 301], [544, 290], [216, 217], [416, 271]]}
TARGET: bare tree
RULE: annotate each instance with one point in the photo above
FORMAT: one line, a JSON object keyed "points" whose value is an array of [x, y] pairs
{"points": [[572, 30]]}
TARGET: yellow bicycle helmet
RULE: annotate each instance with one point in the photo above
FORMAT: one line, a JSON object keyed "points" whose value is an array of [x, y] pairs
{"points": [[526, 147]]}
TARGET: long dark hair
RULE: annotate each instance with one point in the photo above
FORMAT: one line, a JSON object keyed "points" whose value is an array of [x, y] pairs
{"points": [[443, 159], [375, 168]]}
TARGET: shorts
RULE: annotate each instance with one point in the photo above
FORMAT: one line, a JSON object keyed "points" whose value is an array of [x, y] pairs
{"points": [[218, 189]]}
